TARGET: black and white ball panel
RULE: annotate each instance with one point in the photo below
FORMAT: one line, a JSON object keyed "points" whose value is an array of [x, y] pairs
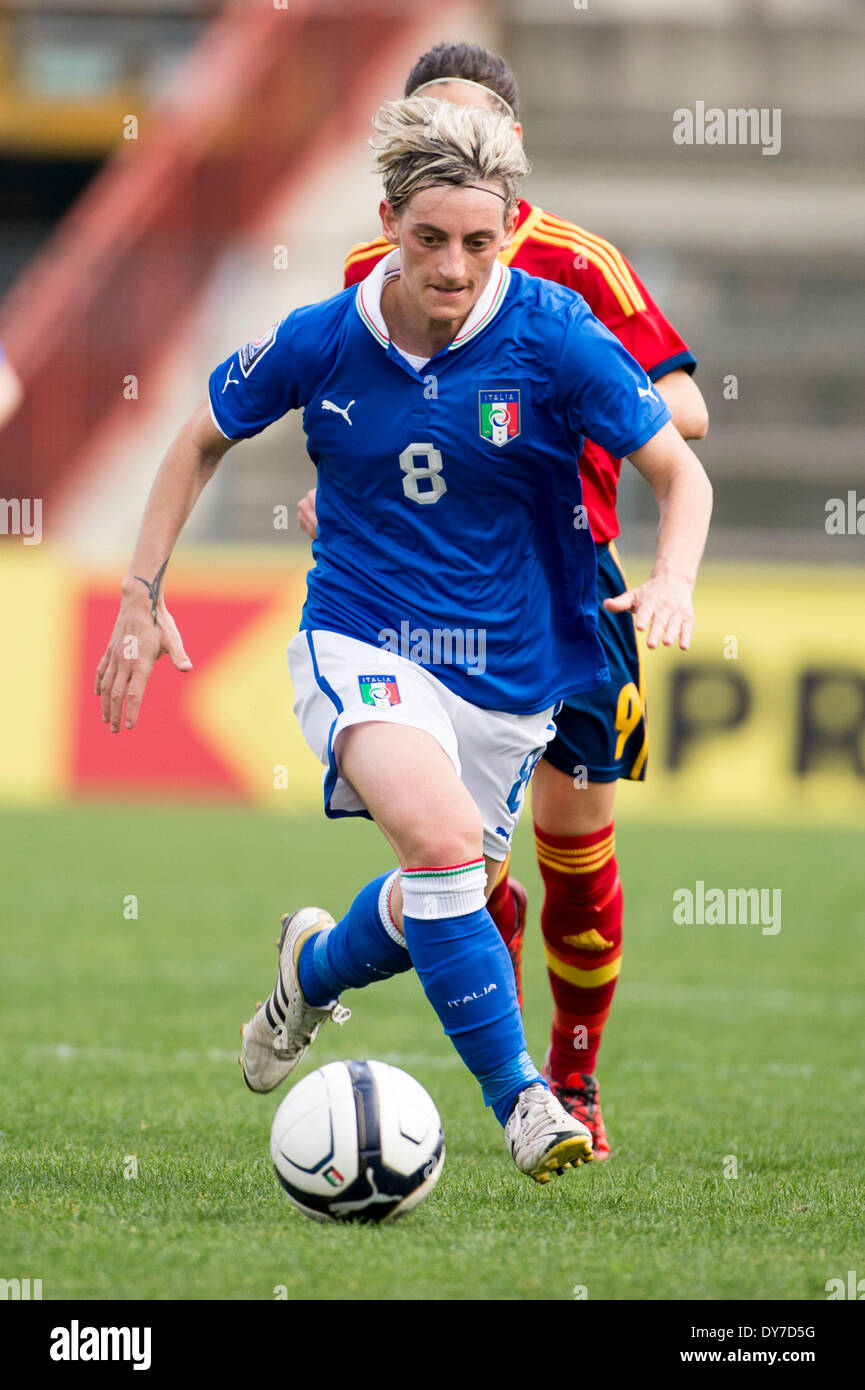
{"points": [[357, 1141]]}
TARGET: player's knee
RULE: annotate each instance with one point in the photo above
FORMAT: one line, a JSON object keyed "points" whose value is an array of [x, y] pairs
{"points": [[454, 840]]}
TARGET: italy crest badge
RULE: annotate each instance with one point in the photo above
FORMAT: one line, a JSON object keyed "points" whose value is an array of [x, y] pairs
{"points": [[499, 415]]}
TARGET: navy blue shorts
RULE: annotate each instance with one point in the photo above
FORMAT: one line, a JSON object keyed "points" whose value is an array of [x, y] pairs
{"points": [[602, 735]]}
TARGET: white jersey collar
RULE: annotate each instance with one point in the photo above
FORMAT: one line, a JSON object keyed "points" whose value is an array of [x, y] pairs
{"points": [[369, 292]]}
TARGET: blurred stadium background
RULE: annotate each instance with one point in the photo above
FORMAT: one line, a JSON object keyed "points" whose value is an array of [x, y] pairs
{"points": [[176, 174]]}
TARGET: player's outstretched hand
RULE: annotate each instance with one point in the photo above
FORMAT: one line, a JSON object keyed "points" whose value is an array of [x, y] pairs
{"points": [[136, 645], [306, 517], [663, 605]]}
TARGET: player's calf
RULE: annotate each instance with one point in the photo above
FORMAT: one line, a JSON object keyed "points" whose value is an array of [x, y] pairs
{"points": [[508, 905]]}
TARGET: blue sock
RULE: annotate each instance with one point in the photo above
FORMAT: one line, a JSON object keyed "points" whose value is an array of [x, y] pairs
{"points": [[467, 976], [362, 947], [502, 1086]]}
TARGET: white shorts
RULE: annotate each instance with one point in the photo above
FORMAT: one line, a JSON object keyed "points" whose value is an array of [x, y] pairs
{"points": [[339, 681]]}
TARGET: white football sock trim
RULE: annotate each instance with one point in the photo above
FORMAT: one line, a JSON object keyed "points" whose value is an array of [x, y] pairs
{"points": [[384, 911], [455, 891]]}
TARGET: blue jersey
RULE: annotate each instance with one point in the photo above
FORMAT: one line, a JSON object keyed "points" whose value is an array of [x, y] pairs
{"points": [[449, 505]]}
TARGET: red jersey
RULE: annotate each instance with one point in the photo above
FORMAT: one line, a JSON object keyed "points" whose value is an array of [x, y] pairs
{"points": [[569, 255]]}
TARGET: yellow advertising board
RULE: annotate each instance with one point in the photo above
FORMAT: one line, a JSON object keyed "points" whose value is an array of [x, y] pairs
{"points": [[763, 720]]}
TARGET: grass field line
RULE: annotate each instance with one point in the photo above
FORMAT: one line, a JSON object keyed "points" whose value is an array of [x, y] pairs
{"points": [[639, 991], [71, 1052]]}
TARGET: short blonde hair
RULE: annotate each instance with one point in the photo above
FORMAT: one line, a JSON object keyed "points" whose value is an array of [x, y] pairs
{"points": [[425, 142]]}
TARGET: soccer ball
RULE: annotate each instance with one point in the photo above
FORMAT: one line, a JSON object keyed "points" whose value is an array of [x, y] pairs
{"points": [[357, 1141]]}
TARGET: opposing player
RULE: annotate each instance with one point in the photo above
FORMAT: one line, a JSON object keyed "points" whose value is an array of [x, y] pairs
{"points": [[419, 493], [601, 734]]}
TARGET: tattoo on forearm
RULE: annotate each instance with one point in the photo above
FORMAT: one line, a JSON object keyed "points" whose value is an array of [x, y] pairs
{"points": [[153, 588]]}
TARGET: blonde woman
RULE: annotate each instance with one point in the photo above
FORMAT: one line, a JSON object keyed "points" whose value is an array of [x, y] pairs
{"points": [[445, 404]]}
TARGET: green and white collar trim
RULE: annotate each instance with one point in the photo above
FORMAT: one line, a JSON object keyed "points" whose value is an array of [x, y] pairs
{"points": [[369, 292]]}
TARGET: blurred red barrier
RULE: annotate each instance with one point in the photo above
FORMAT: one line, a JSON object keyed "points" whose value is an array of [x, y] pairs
{"points": [[167, 754], [131, 259]]}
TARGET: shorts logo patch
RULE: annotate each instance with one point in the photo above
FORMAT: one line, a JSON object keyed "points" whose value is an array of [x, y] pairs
{"points": [[254, 351], [379, 691], [499, 415]]}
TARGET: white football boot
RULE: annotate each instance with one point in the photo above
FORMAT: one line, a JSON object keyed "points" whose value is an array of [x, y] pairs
{"points": [[543, 1137], [282, 1028]]}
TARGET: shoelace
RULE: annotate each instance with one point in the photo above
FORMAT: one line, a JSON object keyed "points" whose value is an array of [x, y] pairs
{"points": [[338, 1013], [587, 1093], [302, 1038], [544, 1109]]}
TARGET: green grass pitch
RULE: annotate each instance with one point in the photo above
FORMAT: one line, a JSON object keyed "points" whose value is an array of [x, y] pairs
{"points": [[120, 1040]]}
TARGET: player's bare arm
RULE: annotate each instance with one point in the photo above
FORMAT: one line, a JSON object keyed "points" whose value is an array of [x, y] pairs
{"points": [[663, 605], [11, 392], [145, 630], [685, 400], [306, 517]]}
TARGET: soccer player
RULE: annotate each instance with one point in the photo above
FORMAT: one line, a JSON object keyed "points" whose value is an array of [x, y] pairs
{"points": [[601, 734], [420, 493]]}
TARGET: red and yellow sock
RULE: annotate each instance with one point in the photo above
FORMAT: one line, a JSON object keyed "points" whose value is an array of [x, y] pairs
{"points": [[581, 922], [501, 905]]}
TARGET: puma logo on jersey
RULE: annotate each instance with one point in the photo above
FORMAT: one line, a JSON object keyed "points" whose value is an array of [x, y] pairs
{"points": [[230, 380], [329, 405], [646, 391]]}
